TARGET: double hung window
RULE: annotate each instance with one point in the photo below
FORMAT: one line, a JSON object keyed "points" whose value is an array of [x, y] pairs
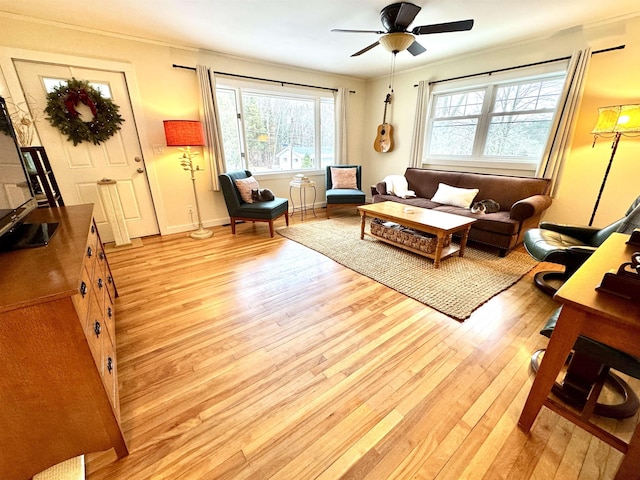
{"points": [[270, 131], [505, 124]]}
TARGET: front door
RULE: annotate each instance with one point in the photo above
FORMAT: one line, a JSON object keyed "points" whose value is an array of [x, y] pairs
{"points": [[78, 169]]}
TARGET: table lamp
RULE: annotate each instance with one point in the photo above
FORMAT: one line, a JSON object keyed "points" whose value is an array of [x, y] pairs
{"points": [[614, 121], [187, 134]]}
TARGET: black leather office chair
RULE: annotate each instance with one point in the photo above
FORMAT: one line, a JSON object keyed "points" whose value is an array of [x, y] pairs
{"points": [[570, 245], [588, 370]]}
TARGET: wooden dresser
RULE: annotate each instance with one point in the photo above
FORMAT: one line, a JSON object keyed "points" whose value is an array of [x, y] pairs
{"points": [[58, 368]]}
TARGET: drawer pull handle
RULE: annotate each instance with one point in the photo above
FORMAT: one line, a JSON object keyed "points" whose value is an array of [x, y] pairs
{"points": [[109, 364], [109, 312], [93, 229], [101, 255], [109, 279], [89, 252], [100, 283], [97, 328], [83, 289]]}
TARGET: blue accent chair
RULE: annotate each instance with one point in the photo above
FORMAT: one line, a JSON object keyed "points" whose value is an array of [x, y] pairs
{"points": [[341, 197], [239, 210]]}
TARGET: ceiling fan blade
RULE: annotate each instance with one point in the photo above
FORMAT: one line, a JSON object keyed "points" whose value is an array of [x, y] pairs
{"points": [[378, 32], [366, 49], [416, 49], [406, 15], [458, 26]]}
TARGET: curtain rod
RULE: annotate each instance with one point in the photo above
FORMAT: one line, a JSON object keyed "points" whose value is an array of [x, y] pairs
{"points": [[490, 72], [264, 79]]}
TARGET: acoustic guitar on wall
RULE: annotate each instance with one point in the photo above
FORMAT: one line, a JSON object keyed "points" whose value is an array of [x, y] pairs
{"points": [[384, 139]]}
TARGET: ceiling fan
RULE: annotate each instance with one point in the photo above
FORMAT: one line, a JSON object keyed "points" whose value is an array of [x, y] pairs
{"points": [[396, 19]]}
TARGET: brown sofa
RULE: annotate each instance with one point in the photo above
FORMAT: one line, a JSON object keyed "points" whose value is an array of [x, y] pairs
{"points": [[522, 201]]}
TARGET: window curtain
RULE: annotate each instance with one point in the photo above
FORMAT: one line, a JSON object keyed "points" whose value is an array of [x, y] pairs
{"points": [[210, 118], [342, 116], [419, 124], [559, 145]]}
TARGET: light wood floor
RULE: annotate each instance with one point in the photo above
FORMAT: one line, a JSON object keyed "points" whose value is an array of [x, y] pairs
{"points": [[251, 357]]}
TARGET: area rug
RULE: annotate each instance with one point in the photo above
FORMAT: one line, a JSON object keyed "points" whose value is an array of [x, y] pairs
{"points": [[456, 289]]}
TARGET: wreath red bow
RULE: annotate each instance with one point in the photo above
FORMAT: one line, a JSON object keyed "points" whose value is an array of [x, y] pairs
{"points": [[79, 96]]}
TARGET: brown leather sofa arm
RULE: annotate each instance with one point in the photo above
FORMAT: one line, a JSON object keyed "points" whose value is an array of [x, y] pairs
{"points": [[379, 188], [529, 207]]}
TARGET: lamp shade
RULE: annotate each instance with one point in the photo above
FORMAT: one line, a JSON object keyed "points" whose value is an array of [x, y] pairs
{"points": [[618, 119], [183, 133], [397, 41]]}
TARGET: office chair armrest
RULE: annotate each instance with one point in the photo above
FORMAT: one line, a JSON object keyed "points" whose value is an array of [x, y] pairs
{"points": [[529, 207], [579, 232], [581, 250]]}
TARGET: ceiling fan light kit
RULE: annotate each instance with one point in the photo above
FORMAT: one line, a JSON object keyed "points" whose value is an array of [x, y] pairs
{"points": [[397, 41], [396, 37]]}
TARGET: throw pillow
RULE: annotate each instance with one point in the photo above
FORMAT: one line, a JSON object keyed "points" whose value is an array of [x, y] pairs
{"points": [[454, 196], [343, 178], [245, 185]]}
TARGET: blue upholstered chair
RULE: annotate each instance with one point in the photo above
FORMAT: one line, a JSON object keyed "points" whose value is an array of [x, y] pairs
{"points": [[340, 197], [256, 212]]}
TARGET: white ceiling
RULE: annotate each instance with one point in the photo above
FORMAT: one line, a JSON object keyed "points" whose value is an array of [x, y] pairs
{"points": [[297, 32]]}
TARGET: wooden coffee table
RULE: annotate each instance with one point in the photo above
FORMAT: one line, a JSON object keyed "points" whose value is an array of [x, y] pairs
{"points": [[437, 223]]}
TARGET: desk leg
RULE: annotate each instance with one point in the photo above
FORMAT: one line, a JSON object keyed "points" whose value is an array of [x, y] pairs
{"points": [[302, 203], [562, 340], [630, 466], [363, 216]]}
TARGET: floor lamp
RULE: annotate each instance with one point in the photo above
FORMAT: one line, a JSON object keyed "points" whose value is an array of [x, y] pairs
{"points": [[187, 134], [614, 121]]}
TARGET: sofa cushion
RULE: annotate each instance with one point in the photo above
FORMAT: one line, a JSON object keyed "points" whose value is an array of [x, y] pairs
{"points": [[498, 222], [458, 197]]}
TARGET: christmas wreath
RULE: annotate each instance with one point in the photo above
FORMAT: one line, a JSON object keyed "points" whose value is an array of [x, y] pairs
{"points": [[62, 112]]}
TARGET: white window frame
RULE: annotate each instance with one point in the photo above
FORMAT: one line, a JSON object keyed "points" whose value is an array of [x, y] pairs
{"points": [[318, 96], [477, 161]]}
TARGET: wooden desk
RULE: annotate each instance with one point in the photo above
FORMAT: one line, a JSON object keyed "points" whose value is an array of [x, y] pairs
{"points": [[601, 316]]}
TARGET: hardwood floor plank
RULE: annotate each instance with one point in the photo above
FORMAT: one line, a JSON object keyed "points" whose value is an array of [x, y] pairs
{"points": [[244, 356]]}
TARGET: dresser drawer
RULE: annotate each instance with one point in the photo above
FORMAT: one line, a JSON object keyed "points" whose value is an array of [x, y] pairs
{"points": [[82, 299], [95, 330]]}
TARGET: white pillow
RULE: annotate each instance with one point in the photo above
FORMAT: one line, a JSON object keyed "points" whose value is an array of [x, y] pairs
{"points": [[457, 197]]}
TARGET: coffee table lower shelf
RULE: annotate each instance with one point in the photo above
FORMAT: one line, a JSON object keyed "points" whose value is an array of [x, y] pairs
{"points": [[447, 251]]}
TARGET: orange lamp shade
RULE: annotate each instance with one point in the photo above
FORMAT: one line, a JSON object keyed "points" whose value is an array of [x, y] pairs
{"points": [[618, 119], [183, 133]]}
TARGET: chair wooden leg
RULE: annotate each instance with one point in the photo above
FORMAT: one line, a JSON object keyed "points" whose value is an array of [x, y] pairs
{"points": [[286, 217], [328, 211], [271, 228], [233, 225]]}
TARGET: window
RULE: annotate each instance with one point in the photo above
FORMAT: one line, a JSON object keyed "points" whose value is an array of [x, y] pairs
{"points": [[270, 131], [506, 123]]}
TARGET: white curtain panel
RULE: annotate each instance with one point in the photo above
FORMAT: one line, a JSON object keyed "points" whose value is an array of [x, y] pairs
{"points": [[420, 122], [342, 115], [210, 118], [562, 129]]}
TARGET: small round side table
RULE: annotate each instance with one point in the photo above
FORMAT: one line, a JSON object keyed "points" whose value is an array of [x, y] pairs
{"points": [[302, 190]]}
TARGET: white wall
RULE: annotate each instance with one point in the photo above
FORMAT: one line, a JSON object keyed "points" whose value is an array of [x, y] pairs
{"points": [[612, 79], [171, 93]]}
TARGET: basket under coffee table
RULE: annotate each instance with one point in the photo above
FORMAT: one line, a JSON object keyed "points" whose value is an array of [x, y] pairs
{"points": [[439, 224]]}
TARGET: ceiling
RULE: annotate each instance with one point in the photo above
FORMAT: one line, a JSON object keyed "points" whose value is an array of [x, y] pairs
{"points": [[298, 32]]}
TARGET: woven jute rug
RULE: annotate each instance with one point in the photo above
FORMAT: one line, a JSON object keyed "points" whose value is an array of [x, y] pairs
{"points": [[456, 289]]}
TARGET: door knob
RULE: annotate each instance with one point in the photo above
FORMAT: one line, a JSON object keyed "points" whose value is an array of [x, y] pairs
{"points": [[137, 159]]}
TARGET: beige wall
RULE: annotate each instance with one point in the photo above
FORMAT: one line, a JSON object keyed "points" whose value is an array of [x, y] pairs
{"points": [[171, 93], [611, 80], [166, 93]]}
